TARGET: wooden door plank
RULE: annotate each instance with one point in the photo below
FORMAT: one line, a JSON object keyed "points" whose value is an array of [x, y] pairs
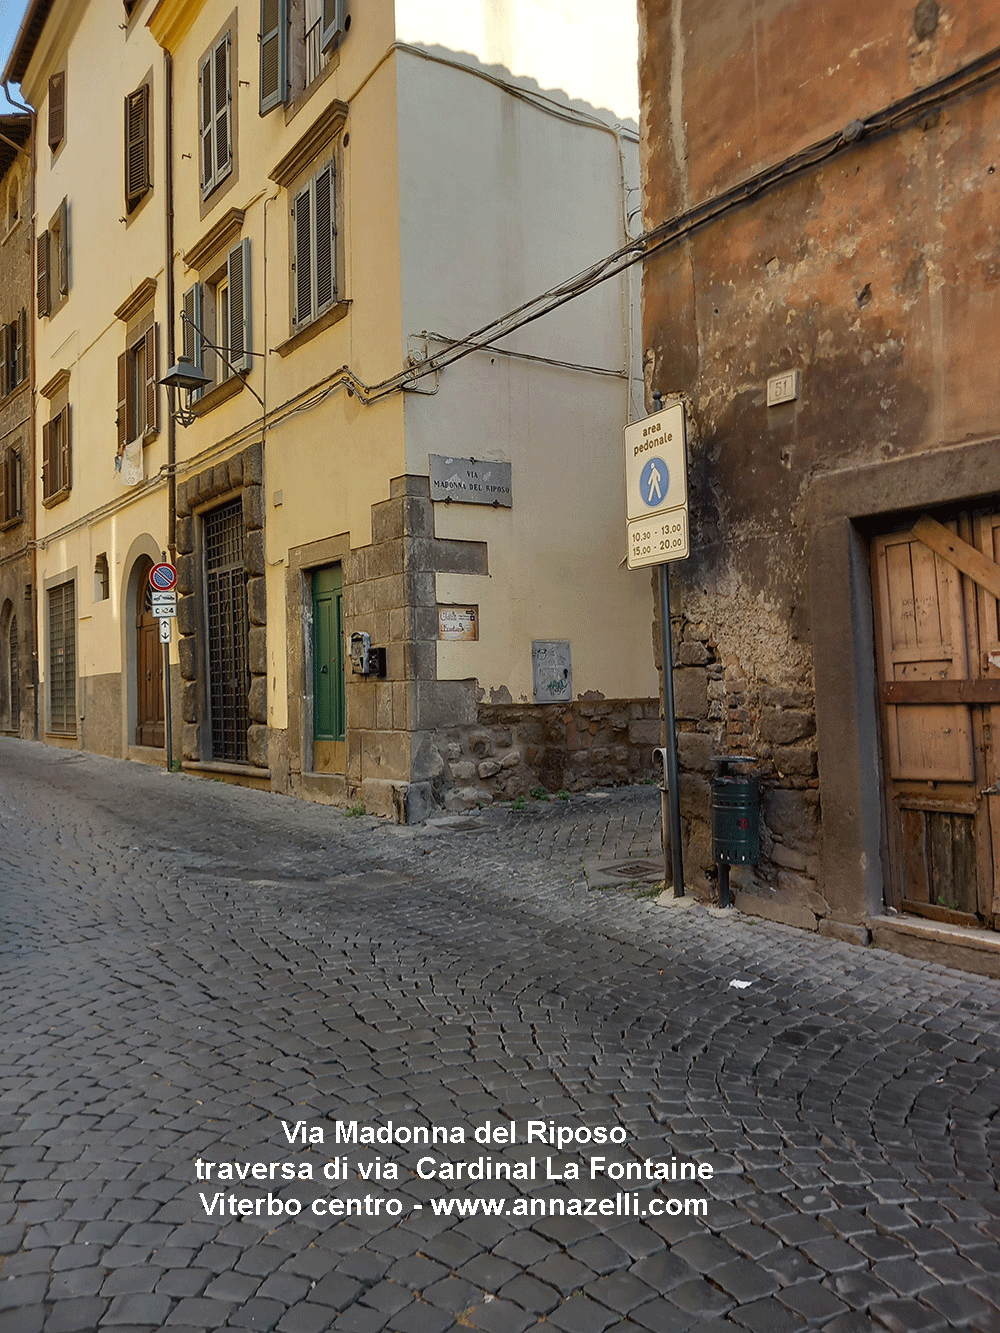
{"points": [[958, 553]]}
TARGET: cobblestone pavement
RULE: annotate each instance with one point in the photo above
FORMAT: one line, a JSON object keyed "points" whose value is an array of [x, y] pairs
{"points": [[185, 965]]}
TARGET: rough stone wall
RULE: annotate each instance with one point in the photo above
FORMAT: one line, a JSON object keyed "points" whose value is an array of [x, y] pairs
{"points": [[513, 749], [242, 474], [874, 275]]}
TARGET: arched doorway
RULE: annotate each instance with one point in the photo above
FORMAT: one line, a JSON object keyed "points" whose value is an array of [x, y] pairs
{"points": [[149, 727]]}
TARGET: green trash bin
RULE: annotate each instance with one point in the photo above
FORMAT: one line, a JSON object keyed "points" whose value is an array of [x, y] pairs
{"points": [[735, 818]]}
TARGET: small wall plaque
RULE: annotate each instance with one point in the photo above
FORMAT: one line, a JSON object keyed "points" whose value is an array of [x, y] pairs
{"points": [[458, 624], [473, 481], [783, 388]]}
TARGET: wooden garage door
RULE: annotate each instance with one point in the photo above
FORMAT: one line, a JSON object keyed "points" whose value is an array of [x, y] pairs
{"points": [[938, 647]]}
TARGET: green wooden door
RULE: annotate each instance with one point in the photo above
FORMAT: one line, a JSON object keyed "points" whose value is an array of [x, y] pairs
{"points": [[328, 668]]}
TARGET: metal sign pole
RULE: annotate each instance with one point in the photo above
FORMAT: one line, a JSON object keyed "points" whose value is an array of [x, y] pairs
{"points": [[673, 792], [166, 707]]}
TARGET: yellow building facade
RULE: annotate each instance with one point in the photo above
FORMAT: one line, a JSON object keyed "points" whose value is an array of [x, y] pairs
{"points": [[399, 543]]}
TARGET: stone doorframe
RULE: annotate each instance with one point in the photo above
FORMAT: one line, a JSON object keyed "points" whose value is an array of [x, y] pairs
{"points": [[302, 560], [844, 508]]}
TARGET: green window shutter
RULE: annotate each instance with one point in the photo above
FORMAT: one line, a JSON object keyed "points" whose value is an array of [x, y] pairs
{"points": [[205, 124], [333, 22], [273, 54], [303, 257], [193, 325], [222, 94], [325, 239], [240, 337]]}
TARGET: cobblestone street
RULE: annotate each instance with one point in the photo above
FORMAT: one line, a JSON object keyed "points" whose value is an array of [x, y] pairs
{"points": [[186, 965]]}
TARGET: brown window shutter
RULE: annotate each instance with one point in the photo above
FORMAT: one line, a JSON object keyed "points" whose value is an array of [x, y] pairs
{"points": [[47, 433], [57, 109], [303, 257], [123, 414], [63, 248], [152, 375], [65, 452], [42, 266], [136, 145], [6, 378], [5, 491], [22, 346]]}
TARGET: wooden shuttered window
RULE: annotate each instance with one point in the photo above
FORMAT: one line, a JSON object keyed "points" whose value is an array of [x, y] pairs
{"points": [[215, 109], [151, 423], [62, 255], [192, 329], [57, 109], [137, 174], [333, 23], [42, 274], [273, 54], [138, 389], [238, 334], [11, 486], [315, 232], [22, 346], [56, 456], [62, 658]]}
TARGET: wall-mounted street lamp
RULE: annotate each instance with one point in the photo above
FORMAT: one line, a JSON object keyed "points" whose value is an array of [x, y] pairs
{"points": [[189, 377]]}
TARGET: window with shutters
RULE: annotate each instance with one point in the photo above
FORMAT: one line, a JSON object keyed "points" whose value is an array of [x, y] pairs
{"points": [[217, 322], [61, 660], [14, 353], [11, 485], [138, 180], [57, 474], [217, 113], [297, 41], [138, 373], [52, 263], [57, 109], [314, 232]]}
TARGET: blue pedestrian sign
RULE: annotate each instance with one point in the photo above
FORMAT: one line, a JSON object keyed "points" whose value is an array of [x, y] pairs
{"points": [[656, 488], [654, 483]]}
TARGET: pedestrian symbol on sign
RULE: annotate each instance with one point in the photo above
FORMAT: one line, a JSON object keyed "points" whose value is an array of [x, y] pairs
{"points": [[654, 482]]}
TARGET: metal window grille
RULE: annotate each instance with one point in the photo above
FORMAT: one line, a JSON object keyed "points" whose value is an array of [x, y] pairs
{"points": [[226, 598], [15, 677], [62, 658]]}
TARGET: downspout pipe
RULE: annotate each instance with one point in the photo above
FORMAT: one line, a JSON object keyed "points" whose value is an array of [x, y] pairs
{"points": [[32, 512], [168, 85]]}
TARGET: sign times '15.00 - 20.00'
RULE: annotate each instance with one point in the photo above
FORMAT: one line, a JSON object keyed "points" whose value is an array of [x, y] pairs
{"points": [[662, 538]]}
